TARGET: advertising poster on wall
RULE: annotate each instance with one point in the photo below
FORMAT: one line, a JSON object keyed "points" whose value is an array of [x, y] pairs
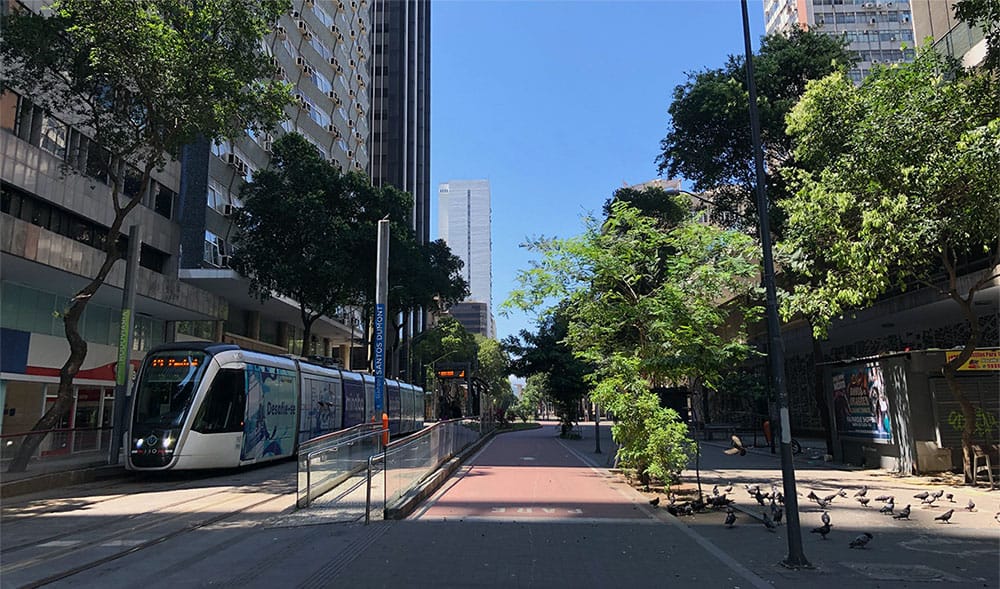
{"points": [[861, 405], [272, 413]]}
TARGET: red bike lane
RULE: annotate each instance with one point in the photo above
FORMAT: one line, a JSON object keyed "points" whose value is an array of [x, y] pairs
{"points": [[531, 476]]}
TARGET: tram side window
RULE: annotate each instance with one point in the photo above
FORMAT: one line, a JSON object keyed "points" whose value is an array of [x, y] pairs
{"points": [[224, 405]]}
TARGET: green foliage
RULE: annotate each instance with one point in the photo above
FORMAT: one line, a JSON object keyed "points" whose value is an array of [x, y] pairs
{"points": [[533, 395], [646, 302], [550, 364], [651, 439], [314, 262], [708, 140], [148, 78], [984, 14], [900, 180], [448, 341], [493, 369]]}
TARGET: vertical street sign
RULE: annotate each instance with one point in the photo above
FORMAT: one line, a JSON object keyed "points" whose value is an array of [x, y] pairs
{"points": [[124, 345], [381, 297]]}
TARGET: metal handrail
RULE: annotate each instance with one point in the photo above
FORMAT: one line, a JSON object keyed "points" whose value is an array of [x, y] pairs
{"points": [[349, 441], [395, 446], [337, 434]]}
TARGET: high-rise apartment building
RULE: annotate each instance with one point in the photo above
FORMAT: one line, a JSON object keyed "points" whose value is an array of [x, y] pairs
{"points": [[876, 31], [53, 222], [464, 222]]}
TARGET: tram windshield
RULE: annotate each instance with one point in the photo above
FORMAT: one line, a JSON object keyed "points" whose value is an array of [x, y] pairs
{"points": [[167, 386]]}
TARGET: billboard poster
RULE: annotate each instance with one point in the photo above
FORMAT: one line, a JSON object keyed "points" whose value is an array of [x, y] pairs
{"points": [[860, 404], [272, 413]]}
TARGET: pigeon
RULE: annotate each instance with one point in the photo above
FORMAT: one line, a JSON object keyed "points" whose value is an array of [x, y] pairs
{"points": [[887, 508], [946, 516], [730, 517], [822, 530], [884, 498], [728, 489], [759, 497], [922, 495], [822, 503], [842, 492], [861, 541], [830, 498], [715, 490], [780, 498], [903, 513], [767, 522], [863, 501], [812, 495], [654, 501], [997, 517], [825, 518], [971, 505], [950, 497], [778, 513], [937, 494], [737, 447], [862, 491], [929, 501], [698, 504]]}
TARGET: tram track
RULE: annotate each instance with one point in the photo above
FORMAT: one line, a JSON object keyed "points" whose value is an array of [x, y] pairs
{"points": [[143, 545], [101, 524]]}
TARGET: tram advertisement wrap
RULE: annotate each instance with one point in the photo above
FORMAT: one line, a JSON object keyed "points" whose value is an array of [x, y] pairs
{"points": [[861, 405], [272, 414], [354, 403]]}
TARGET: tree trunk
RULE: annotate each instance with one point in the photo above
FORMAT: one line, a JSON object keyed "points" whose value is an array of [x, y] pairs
{"points": [[819, 392], [307, 322], [77, 354], [71, 321], [950, 376]]}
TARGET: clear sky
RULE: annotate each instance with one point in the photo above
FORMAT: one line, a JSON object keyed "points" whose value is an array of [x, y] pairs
{"points": [[560, 103]]}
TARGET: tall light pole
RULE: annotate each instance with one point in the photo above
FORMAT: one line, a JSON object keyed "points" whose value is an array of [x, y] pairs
{"points": [[796, 558]]}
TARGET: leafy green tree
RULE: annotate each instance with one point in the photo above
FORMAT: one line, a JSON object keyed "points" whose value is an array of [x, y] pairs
{"points": [[494, 370], [546, 354], [533, 394], [898, 183], [708, 138], [142, 79], [313, 263], [647, 305], [984, 14]]}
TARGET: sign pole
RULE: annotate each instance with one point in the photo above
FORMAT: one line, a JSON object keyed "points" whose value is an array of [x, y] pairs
{"points": [[125, 335], [381, 297]]}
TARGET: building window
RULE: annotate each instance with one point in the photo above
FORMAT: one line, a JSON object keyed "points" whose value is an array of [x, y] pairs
{"points": [[8, 110], [163, 201], [215, 248]]}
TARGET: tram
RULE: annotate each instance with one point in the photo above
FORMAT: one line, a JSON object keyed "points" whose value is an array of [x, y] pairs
{"points": [[208, 405]]}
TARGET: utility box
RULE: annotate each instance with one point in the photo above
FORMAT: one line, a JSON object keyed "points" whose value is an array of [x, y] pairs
{"points": [[932, 458]]}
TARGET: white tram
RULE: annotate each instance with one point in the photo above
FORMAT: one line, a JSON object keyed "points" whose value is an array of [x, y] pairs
{"points": [[202, 405]]}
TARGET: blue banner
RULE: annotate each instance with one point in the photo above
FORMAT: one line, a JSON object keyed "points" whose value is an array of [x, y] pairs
{"points": [[379, 361]]}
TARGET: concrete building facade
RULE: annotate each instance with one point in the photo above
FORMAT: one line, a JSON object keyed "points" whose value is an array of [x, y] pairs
{"points": [[56, 212], [876, 31]]}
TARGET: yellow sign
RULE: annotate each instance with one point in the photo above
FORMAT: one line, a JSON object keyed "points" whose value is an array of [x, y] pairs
{"points": [[980, 360]]}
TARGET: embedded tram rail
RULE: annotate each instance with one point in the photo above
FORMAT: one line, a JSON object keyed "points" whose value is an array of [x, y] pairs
{"points": [[48, 539]]}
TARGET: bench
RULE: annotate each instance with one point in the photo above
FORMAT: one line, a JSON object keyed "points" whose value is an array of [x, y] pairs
{"points": [[728, 429]]}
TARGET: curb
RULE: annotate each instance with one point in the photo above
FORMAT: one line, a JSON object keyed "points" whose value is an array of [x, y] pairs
{"points": [[65, 478]]}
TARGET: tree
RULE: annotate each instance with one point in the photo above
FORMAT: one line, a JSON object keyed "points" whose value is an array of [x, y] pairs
{"points": [[708, 138], [447, 341], [646, 305], [546, 355], [493, 369], [898, 185], [296, 232], [534, 393], [984, 14], [142, 79]]}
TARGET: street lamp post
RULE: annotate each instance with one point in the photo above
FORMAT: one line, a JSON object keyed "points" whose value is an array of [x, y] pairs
{"points": [[796, 557]]}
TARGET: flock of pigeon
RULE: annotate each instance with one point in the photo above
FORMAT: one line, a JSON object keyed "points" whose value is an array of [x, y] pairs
{"points": [[774, 501]]}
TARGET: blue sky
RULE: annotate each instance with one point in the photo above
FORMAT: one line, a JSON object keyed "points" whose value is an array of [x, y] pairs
{"points": [[559, 103]]}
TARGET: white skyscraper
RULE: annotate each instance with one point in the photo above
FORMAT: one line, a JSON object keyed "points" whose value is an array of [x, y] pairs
{"points": [[464, 222]]}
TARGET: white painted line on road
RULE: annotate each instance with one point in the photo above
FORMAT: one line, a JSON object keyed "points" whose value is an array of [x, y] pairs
{"points": [[60, 543], [123, 543], [452, 481]]}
